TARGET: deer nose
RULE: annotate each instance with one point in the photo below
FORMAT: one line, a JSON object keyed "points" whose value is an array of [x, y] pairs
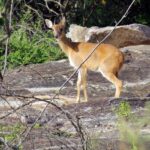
{"points": [[56, 36]]}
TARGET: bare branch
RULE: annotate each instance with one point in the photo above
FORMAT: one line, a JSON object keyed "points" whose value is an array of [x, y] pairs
{"points": [[18, 108], [29, 7], [50, 10], [5, 57], [8, 32], [4, 38], [54, 1]]}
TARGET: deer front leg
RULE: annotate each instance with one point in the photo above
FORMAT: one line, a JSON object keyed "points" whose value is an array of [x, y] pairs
{"points": [[78, 90], [81, 84], [84, 85]]}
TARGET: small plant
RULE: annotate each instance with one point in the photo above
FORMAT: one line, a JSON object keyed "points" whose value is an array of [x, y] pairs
{"points": [[129, 134], [11, 133], [126, 132], [93, 141], [124, 110], [130, 126], [37, 126]]}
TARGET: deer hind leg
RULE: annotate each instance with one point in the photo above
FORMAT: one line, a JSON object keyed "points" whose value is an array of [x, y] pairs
{"points": [[113, 78], [81, 84]]}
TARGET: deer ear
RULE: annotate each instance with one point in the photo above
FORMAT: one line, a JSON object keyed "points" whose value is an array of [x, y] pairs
{"points": [[48, 23], [63, 21]]}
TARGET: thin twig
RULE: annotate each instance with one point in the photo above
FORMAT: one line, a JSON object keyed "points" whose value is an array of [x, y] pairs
{"points": [[7, 41], [5, 57], [4, 38], [18, 108], [57, 2], [50, 10], [31, 127], [36, 11]]}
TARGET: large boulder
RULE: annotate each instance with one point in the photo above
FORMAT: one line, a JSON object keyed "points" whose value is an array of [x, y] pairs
{"points": [[133, 34]]}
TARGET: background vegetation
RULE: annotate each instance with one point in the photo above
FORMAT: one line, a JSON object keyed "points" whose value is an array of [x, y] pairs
{"points": [[31, 42]]}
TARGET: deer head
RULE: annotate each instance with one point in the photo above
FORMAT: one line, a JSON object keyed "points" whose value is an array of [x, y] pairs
{"points": [[58, 29]]}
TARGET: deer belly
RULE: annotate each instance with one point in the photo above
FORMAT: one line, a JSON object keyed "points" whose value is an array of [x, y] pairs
{"points": [[92, 67], [92, 64], [88, 64]]}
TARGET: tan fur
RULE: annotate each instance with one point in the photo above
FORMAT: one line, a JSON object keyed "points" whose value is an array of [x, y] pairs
{"points": [[107, 59]]}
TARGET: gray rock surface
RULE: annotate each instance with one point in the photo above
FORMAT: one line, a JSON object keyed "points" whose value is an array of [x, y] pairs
{"points": [[48, 77], [125, 35], [97, 117]]}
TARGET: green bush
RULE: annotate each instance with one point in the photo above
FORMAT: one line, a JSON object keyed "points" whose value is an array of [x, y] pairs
{"points": [[29, 43], [27, 48]]}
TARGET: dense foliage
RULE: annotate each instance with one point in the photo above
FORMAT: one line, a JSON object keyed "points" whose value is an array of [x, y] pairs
{"points": [[31, 42]]}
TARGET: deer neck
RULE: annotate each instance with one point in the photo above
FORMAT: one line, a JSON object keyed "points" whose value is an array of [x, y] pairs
{"points": [[65, 44]]}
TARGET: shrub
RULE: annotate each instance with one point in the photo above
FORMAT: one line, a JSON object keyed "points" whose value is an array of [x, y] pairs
{"points": [[26, 49]]}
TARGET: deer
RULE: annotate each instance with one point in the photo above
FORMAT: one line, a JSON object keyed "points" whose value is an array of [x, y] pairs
{"points": [[107, 59]]}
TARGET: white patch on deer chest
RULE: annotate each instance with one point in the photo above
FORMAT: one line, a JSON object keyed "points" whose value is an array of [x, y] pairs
{"points": [[72, 63]]}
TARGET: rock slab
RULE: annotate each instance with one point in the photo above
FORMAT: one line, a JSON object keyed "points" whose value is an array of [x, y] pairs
{"points": [[125, 35], [96, 116]]}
